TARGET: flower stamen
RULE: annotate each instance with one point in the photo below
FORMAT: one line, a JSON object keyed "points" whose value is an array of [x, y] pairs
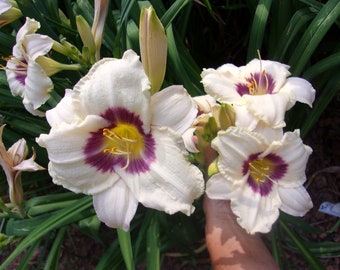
{"points": [[256, 85], [260, 170], [123, 140]]}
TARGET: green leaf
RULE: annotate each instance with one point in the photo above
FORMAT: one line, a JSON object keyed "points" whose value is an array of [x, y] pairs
{"points": [[59, 219], [313, 35], [177, 66], [24, 262], [331, 89], [258, 28], [52, 198], [36, 10], [52, 261], [173, 11], [292, 32], [324, 65], [305, 252], [111, 259]]}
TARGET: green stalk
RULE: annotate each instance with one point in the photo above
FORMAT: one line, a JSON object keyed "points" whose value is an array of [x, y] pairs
{"points": [[126, 248]]}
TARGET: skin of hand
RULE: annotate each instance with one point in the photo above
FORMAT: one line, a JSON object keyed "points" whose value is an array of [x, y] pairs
{"points": [[229, 245]]}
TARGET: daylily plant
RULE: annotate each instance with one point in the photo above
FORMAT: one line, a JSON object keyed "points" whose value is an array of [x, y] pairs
{"points": [[260, 176], [13, 162], [260, 92], [110, 138]]}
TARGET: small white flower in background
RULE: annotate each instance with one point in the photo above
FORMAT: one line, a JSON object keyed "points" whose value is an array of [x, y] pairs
{"points": [[260, 176], [260, 91], [26, 78], [8, 12], [13, 162], [111, 139]]}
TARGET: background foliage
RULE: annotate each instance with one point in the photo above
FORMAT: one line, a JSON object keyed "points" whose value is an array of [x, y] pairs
{"points": [[208, 33]]}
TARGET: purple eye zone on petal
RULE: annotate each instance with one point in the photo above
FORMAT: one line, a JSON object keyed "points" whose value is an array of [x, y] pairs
{"points": [[264, 172], [123, 153], [259, 83], [21, 76]]}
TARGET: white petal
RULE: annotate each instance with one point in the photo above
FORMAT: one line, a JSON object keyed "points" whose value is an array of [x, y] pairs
{"points": [[300, 90], [18, 151], [218, 187], [255, 213], [188, 139], [172, 183], [270, 109], [37, 45], [243, 118], [28, 165], [271, 134], [114, 83], [15, 83], [234, 146], [30, 27], [31, 110], [4, 6], [295, 201], [64, 111], [221, 83], [173, 107], [205, 103], [116, 206], [67, 160], [292, 150], [38, 85]]}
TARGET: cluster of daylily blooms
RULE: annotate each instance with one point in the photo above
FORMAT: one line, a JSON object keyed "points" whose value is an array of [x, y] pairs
{"points": [[118, 137]]}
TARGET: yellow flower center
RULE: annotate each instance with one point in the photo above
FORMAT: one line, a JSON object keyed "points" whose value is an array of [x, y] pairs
{"points": [[260, 169], [124, 140]]}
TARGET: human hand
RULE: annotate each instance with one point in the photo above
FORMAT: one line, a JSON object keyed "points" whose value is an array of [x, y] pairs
{"points": [[229, 245]]}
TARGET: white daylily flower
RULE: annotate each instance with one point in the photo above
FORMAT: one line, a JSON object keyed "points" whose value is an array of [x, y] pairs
{"points": [[260, 176], [13, 162], [109, 138], [26, 78], [262, 87]]}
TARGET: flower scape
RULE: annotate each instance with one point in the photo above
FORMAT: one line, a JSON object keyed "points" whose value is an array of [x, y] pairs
{"points": [[112, 124]]}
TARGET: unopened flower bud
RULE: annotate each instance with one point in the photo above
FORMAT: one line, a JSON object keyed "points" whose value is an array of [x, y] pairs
{"points": [[153, 47]]}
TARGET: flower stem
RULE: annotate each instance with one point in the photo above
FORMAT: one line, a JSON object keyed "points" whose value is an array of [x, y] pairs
{"points": [[126, 248]]}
